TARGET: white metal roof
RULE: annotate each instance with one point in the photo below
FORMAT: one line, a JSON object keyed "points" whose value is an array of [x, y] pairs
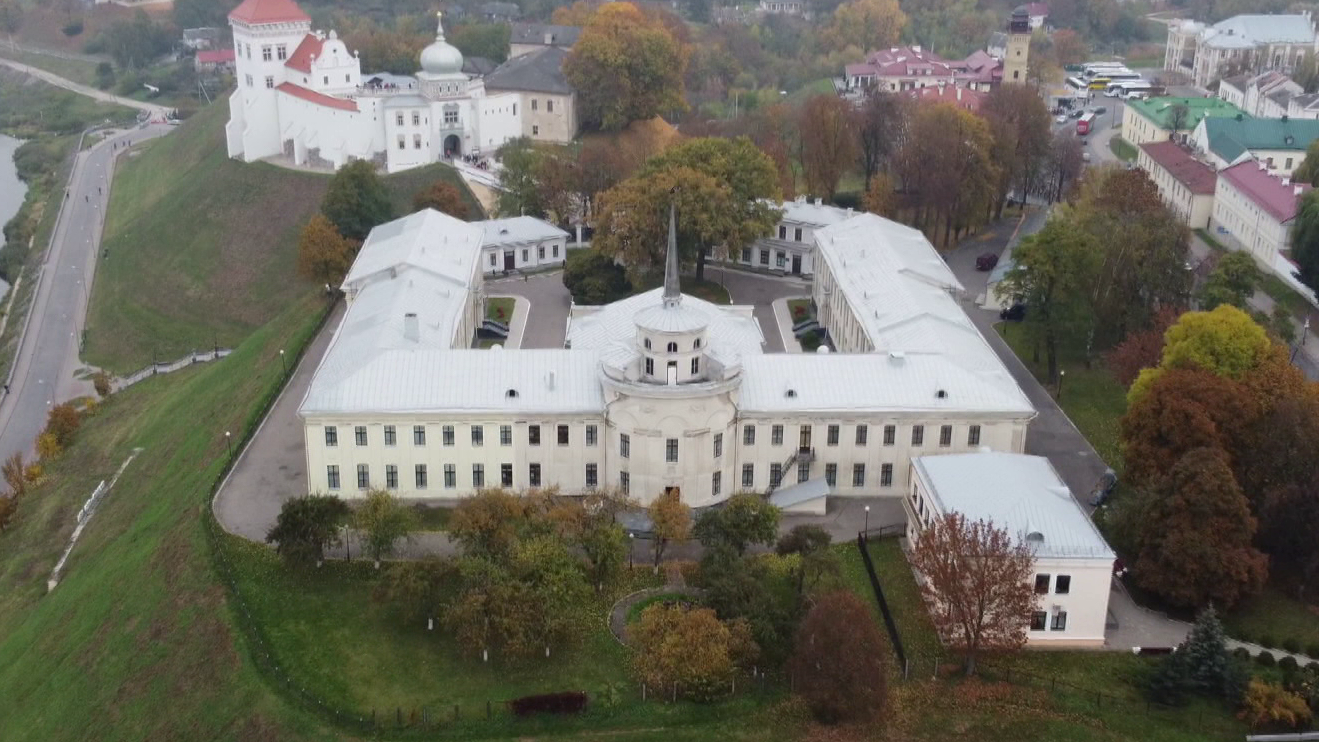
{"points": [[1245, 31], [427, 240], [728, 328], [1021, 493], [815, 213], [518, 229]]}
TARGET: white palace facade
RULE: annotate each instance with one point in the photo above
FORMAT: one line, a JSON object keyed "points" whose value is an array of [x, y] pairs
{"points": [[658, 391]]}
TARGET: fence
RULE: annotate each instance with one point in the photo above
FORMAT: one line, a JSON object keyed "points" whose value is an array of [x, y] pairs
{"points": [[155, 367], [889, 623]]}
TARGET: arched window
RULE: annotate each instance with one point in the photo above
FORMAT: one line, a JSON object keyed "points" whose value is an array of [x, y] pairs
{"points": [[696, 345], [673, 347], [647, 343]]}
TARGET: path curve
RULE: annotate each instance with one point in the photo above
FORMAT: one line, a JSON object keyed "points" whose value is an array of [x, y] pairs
{"points": [[618, 614], [61, 82]]}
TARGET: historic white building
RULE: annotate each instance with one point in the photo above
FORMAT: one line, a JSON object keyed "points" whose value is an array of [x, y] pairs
{"points": [[1254, 42], [657, 391], [789, 248], [301, 94]]}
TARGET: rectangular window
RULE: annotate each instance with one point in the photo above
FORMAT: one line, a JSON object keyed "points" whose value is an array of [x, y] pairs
{"points": [[748, 476], [535, 130], [624, 445], [533, 435], [783, 232], [446, 433], [831, 437], [505, 435], [549, 106], [563, 435], [506, 475], [450, 476], [831, 474], [281, 52], [265, 53], [746, 255], [1059, 621], [525, 255], [973, 435], [803, 471], [917, 435], [671, 450], [331, 436], [416, 118], [624, 482], [359, 434], [332, 476], [391, 435], [862, 432], [591, 476], [421, 476], [398, 118], [890, 434], [363, 476], [1062, 585], [748, 435], [858, 475], [540, 252], [776, 435], [391, 477], [764, 254], [1038, 621], [416, 141], [270, 82], [492, 260], [780, 259], [796, 234], [248, 80], [1041, 584], [696, 365], [533, 475], [554, 251], [775, 475], [478, 476], [402, 142], [478, 436], [945, 435], [885, 475], [451, 117], [590, 435], [650, 366], [718, 445], [535, 104], [716, 482], [418, 435]]}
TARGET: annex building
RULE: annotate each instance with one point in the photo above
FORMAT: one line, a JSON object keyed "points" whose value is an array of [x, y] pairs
{"points": [[655, 392]]}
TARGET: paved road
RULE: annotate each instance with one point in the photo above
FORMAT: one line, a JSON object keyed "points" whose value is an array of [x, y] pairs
{"points": [[547, 321], [156, 112], [760, 291], [47, 358]]}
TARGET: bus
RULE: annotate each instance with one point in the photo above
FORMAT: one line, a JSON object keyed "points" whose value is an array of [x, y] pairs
{"points": [[1077, 83], [1103, 79], [1119, 88], [1094, 68], [1084, 123]]}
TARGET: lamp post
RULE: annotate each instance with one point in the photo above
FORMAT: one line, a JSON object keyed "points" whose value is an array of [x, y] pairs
{"points": [[228, 443], [631, 549], [867, 529], [283, 363], [1062, 373], [1305, 330]]}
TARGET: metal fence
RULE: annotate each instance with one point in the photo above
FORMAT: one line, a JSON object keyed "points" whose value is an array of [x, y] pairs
{"points": [[157, 367], [889, 623]]}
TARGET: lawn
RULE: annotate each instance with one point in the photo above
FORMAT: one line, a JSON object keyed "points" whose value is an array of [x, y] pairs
{"points": [[634, 612], [77, 70], [800, 309], [1275, 617], [1122, 149], [500, 308], [1270, 284]]}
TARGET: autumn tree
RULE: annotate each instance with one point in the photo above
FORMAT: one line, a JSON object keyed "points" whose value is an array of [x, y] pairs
{"points": [[1194, 545], [1308, 170], [356, 200], [976, 584], [577, 14], [1225, 342], [880, 126], [1020, 126], [593, 278], [417, 588], [492, 522], [880, 197], [63, 422], [671, 519], [324, 255], [744, 519], [1280, 447], [828, 142], [816, 561], [1141, 349], [946, 167], [605, 546], [1305, 239], [838, 662], [690, 648], [1065, 165], [1232, 281], [13, 470], [1289, 517], [381, 520], [305, 526], [625, 67], [865, 24], [441, 196], [1068, 47]]}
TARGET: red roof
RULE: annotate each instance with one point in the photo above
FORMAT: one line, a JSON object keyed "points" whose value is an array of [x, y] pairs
{"points": [[254, 12], [301, 58], [1198, 177], [320, 99], [961, 97], [215, 56], [1266, 190]]}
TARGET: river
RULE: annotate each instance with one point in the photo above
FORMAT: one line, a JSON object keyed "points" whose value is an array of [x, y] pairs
{"points": [[12, 190]]}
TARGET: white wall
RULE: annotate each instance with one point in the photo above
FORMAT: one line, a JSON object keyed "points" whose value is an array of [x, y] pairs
{"points": [[498, 120], [255, 134], [1194, 209], [527, 255], [1250, 226]]}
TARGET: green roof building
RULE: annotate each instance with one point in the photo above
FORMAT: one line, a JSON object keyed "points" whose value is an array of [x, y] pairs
{"points": [[1278, 143], [1153, 120]]}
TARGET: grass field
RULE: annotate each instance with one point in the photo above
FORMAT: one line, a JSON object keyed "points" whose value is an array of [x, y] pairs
{"points": [[1276, 616], [202, 249], [1122, 149], [500, 308], [77, 70]]}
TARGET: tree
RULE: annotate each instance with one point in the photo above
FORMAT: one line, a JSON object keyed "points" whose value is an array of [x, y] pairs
{"points": [[689, 648], [1066, 163], [417, 588], [577, 14], [134, 42], [880, 126], [811, 544], [838, 663], [383, 519], [11, 15], [356, 200], [1201, 666], [1271, 705], [1308, 170], [1178, 117], [605, 546], [1141, 349], [1305, 240], [489, 40], [1194, 545], [880, 197], [1021, 129], [1232, 281], [1225, 342], [671, 519], [62, 422], [324, 255], [977, 585], [593, 278], [828, 142], [1289, 516], [865, 24], [101, 383], [492, 522], [744, 519], [1068, 47], [946, 168], [625, 67], [441, 196], [48, 447], [305, 526], [12, 470], [520, 194]]}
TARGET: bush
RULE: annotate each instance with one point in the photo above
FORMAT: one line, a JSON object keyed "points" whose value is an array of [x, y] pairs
{"points": [[1265, 659], [810, 343], [1267, 640], [567, 702], [73, 27], [101, 383], [48, 447], [1312, 650], [593, 278], [33, 473], [1288, 663], [1269, 705], [1292, 644], [1241, 653]]}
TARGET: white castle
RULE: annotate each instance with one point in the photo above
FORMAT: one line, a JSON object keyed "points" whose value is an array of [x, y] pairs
{"points": [[301, 95]]}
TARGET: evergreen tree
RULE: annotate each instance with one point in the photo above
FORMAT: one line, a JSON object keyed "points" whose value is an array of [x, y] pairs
{"points": [[356, 200], [1201, 666]]}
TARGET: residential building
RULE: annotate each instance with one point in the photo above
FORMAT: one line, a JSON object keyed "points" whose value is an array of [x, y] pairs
{"points": [[1024, 495], [1185, 184], [1305, 106], [1277, 143], [548, 102], [201, 38], [1265, 95], [525, 38], [1156, 119], [499, 12], [997, 46], [214, 60], [659, 391], [1255, 209], [521, 243], [903, 68], [791, 247], [1038, 13], [964, 98], [1255, 42]]}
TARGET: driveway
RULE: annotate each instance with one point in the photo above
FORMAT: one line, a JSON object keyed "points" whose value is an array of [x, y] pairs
{"points": [[547, 319], [760, 291]]}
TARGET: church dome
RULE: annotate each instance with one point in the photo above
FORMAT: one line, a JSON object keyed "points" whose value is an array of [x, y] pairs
{"points": [[441, 57]]}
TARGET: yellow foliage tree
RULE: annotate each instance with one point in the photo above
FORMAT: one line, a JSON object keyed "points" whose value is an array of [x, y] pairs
{"points": [[577, 14], [691, 648], [1269, 704], [880, 198], [324, 255], [868, 24], [672, 520], [48, 447], [1226, 342]]}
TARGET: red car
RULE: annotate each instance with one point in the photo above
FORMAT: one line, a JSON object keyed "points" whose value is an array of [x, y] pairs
{"points": [[987, 261]]}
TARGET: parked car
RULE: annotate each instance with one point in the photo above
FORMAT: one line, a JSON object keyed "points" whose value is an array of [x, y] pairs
{"points": [[1100, 110], [1014, 313], [1085, 156], [987, 261], [1060, 118], [1078, 113], [1103, 488]]}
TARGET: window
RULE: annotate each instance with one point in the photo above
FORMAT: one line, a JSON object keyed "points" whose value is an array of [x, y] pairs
{"points": [[421, 476], [831, 436], [945, 435], [862, 432], [696, 366], [671, 450], [450, 476], [775, 475], [535, 130], [804, 438], [783, 232], [281, 52], [549, 106], [492, 260], [478, 436], [331, 436], [1289, 163], [526, 255], [646, 342], [447, 434], [506, 475], [716, 483], [624, 445], [265, 53], [831, 474], [890, 434], [885, 475], [718, 445], [764, 254], [1041, 584], [776, 435], [624, 482], [398, 118], [533, 475], [780, 259], [590, 435], [1062, 585], [917, 435], [748, 476], [591, 476], [326, 79], [540, 252], [478, 475], [416, 141], [418, 435], [533, 435], [554, 251], [796, 234], [1038, 620], [803, 471], [416, 118], [1059, 621], [535, 104], [748, 435], [402, 142], [249, 80], [391, 477], [451, 117], [696, 344], [391, 435], [746, 255], [363, 476], [858, 475], [270, 82], [973, 435], [563, 435], [332, 476], [650, 367], [359, 434], [671, 348]]}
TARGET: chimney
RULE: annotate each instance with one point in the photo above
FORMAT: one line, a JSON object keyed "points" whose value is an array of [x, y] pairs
{"points": [[549, 381], [959, 94], [411, 328], [819, 201], [916, 48]]}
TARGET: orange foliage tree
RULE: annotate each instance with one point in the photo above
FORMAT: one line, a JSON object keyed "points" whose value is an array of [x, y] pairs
{"points": [[838, 663]]}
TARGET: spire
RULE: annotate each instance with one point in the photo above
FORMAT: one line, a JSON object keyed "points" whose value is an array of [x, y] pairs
{"points": [[672, 292], [439, 25]]}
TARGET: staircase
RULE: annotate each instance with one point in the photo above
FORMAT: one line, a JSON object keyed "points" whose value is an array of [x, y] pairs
{"points": [[802, 454]]}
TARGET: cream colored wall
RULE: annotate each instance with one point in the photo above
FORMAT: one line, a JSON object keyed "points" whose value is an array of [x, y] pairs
{"points": [[1250, 227], [1194, 209], [559, 125], [1138, 130]]}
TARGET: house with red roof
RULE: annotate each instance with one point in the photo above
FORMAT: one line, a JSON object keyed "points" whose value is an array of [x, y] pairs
{"points": [[214, 60], [964, 98], [1255, 210], [903, 68], [1185, 184]]}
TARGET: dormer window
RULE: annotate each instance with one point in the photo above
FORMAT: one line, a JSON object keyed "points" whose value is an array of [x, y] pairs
{"points": [[941, 394], [673, 347], [647, 343], [511, 394], [696, 345]]}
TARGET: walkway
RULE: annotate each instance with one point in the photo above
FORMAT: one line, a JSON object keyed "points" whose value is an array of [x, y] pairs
{"points": [[618, 614], [157, 112]]}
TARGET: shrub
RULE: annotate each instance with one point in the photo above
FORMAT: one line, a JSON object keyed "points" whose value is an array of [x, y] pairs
{"points": [[1288, 663], [691, 649], [101, 382], [839, 662], [1242, 653], [13, 473], [1312, 650], [594, 278], [1265, 659], [62, 422], [34, 473], [567, 702], [73, 27], [1267, 640], [1270, 705], [1292, 644], [8, 506], [810, 343], [48, 447]]}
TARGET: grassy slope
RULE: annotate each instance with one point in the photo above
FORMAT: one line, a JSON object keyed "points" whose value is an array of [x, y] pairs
{"points": [[202, 248]]}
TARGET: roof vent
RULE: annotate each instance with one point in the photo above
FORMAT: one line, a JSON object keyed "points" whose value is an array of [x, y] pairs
{"points": [[411, 327], [896, 357], [819, 201], [1286, 181], [941, 394], [1289, 139], [1035, 537], [503, 230], [511, 394], [790, 394]]}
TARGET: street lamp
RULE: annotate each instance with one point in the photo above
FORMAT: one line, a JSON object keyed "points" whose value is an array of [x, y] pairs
{"points": [[631, 549], [867, 521], [1305, 330], [283, 363], [1062, 373], [228, 442]]}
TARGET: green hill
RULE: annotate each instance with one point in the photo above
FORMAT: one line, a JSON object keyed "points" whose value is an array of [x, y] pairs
{"points": [[201, 249]]}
